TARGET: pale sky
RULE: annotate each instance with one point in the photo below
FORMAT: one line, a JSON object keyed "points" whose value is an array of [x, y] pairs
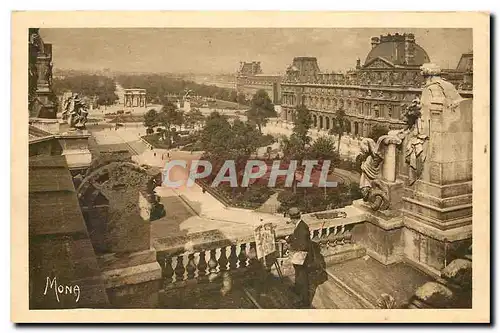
{"points": [[220, 50]]}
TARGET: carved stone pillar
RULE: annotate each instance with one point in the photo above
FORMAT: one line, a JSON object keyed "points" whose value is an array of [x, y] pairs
{"points": [[438, 205], [389, 166]]}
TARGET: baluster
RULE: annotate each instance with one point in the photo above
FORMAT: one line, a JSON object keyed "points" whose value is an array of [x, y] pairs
{"points": [[242, 257], [233, 259], [341, 236], [173, 261], [179, 269], [202, 265], [212, 266], [223, 259], [167, 270], [332, 237], [315, 237], [348, 234], [324, 236], [252, 256], [191, 267]]}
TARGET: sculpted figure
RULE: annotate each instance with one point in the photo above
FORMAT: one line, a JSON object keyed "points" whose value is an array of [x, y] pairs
{"points": [[75, 112], [438, 89], [369, 182], [415, 150]]}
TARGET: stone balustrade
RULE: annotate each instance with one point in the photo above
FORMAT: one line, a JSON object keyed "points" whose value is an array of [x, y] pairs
{"points": [[201, 257]]}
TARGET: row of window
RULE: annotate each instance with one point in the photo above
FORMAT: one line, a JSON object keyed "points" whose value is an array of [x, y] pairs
{"points": [[371, 109], [351, 126]]}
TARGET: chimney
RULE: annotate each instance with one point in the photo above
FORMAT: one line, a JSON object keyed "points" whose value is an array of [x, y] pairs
{"points": [[358, 63], [375, 41], [409, 48]]}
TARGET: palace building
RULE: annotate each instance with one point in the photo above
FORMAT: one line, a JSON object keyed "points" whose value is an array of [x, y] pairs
{"points": [[374, 93], [250, 78]]}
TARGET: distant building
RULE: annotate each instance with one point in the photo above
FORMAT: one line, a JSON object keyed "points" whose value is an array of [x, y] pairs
{"points": [[374, 93], [250, 78], [134, 98], [461, 76]]}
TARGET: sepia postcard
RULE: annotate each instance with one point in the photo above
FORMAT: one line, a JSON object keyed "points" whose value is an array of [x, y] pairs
{"points": [[271, 167]]}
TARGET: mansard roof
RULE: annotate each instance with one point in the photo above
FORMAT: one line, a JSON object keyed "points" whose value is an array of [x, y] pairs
{"points": [[394, 51]]}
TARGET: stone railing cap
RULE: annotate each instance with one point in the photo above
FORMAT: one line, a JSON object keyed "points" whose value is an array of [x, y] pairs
{"points": [[212, 239]]}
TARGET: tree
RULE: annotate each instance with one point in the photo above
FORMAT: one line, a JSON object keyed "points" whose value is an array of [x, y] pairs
{"points": [[107, 98], [86, 85], [194, 117], [323, 148], [377, 131], [302, 124], [241, 99], [151, 119], [245, 140], [338, 126], [295, 146], [224, 140], [261, 109], [216, 135], [233, 96], [171, 116]]}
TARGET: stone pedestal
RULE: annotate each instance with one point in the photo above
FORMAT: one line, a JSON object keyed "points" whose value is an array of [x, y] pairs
{"points": [[381, 234], [48, 125], [75, 148], [132, 280], [437, 208]]}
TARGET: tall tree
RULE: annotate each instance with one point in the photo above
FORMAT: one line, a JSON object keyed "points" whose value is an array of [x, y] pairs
{"points": [[171, 115], [295, 147], [338, 126], [233, 96], [89, 86], [261, 109], [194, 117], [302, 124], [216, 135], [151, 119], [241, 99], [323, 148], [245, 139]]}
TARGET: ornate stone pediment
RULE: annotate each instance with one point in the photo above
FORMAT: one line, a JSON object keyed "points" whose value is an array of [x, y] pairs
{"points": [[379, 62]]}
